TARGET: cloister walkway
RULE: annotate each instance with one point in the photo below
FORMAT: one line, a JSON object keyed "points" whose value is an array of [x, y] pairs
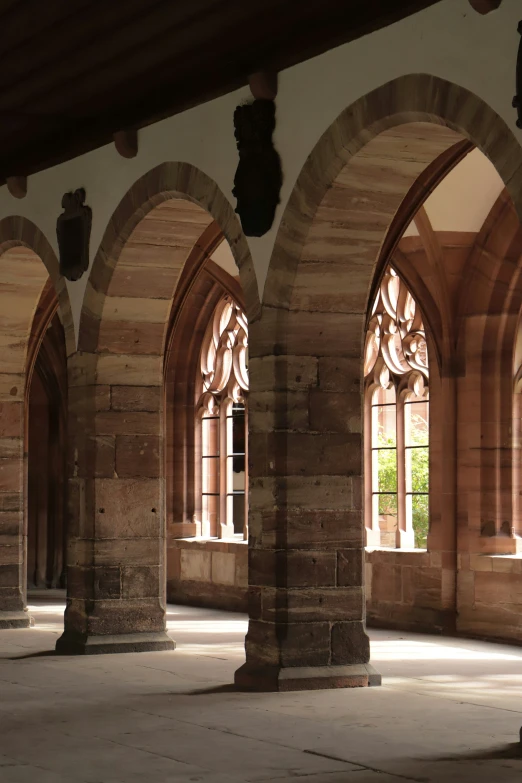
{"points": [[448, 710]]}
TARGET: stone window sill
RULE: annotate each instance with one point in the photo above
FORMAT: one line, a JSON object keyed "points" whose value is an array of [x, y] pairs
{"points": [[395, 550], [209, 544]]}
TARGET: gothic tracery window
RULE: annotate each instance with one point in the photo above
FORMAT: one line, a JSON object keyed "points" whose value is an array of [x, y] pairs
{"points": [[396, 373], [222, 417]]}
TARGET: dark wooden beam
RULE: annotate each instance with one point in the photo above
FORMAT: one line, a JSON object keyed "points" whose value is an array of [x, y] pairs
{"points": [[70, 80]]}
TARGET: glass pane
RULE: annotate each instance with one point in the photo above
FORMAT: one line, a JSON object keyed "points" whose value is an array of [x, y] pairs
{"points": [[385, 508], [239, 466], [418, 469], [238, 431], [238, 476], [239, 512], [417, 423], [385, 470], [236, 473], [417, 508], [384, 425]]}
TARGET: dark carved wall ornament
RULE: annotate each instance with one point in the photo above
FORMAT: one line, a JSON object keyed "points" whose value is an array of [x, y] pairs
{"points": [[73, 230], [517, 100], [258, 179]]}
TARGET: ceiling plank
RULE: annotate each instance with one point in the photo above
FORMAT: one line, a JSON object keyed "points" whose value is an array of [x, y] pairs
{"points": [[76, 78]]}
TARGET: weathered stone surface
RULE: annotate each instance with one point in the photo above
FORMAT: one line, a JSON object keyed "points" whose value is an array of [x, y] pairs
{"points": [[127, 508], [138, 456], [136, 398], [223, 568], [350, 643], [340, 375], [292, 569], [386, 583], [127, 422], [11, 419], [309, 605], [305, 454], [306, 529], [350, 567], [278, 410], [96, 457], [335, 412], [140, 582], [196, 565]]}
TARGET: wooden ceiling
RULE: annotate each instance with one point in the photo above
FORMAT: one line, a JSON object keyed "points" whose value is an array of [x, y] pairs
{"points": [[76, 71]]}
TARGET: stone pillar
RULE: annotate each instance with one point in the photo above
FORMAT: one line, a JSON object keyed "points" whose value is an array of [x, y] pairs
{"points": [[116, 553], [306, 596], [13, 578]]}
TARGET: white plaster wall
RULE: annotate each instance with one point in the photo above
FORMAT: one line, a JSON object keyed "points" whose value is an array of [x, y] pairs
{"points": [[448, 40], [465, 196]]}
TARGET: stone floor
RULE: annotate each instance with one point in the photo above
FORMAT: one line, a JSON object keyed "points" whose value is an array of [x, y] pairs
{"points": [[449, 710]]}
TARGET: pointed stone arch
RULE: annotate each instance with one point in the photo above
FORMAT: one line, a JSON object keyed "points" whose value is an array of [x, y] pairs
{"points": [[116, 599], [27, 261], [306, 530]]}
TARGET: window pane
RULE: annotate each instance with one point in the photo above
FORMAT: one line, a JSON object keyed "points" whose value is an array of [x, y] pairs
{"points": [[418, 469], [417, 423], [236, 473], [419, 513], [385, 470], [239, 512], [384, 425], [238, 466], [385, 509], [238, 429]]}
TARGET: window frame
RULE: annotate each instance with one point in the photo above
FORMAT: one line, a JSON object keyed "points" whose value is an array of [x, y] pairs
{"points": [[396, 358], [222, 384]]}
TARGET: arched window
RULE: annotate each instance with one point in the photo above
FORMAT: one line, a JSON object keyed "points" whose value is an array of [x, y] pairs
{"points": [[396, 375], [222, 422]]}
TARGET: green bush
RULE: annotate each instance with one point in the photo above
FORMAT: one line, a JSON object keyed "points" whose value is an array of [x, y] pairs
{"points": [[420, 483]]}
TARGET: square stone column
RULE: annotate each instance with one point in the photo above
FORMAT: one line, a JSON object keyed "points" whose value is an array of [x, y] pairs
{"points": [[13, 577], [116, 552], [306, 595]]}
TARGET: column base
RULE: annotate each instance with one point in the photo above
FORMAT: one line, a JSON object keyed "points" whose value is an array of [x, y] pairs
{"points": [[71, 643], [305, 678], [18, 619]]}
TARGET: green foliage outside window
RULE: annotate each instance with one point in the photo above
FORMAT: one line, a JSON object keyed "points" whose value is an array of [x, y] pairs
{"points": [[420, 482]]}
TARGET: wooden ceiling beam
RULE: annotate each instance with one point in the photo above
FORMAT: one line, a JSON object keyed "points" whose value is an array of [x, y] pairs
{"points": [[164, 58]]}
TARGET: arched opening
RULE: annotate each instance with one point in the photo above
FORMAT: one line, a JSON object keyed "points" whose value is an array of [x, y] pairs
{"points": [[24, 276], [206, 441], [306, 527], [396, 419], [117, 577], [446, 221], [46, 446]]}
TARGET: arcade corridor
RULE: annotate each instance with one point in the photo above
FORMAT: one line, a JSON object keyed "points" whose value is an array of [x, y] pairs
{"points": [[449, 709]]}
